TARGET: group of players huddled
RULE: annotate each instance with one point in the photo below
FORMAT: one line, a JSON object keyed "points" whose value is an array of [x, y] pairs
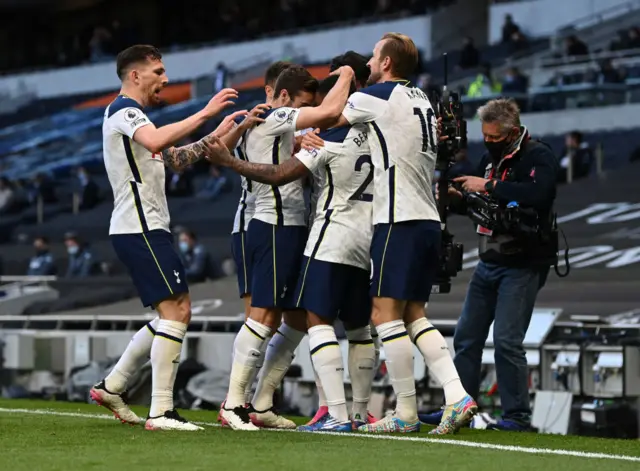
{"points": [[365, 141]]}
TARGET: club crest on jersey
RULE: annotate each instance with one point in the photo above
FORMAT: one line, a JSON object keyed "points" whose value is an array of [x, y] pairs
{"points": [[131, 114], [281, 115]]}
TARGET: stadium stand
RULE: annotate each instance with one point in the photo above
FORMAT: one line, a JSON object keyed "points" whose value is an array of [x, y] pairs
{"points": [[95, 33]]}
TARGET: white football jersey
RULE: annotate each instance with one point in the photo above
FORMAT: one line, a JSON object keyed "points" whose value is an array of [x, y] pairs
{"points": [[272, 142], [342, 229], [403, 141], [136, 175], [247, 203], [316, 185]]}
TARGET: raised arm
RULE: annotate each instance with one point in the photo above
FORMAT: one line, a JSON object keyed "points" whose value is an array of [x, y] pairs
{"points": [[180, 157], [328, 113], [159, 139]]}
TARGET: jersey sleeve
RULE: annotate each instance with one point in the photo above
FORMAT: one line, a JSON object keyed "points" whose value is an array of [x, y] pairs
{"points": [[281, 120], [129, 120], [363, 108], [312, 159]]}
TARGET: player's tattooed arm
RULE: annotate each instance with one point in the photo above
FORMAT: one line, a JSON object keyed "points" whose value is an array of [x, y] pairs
{"points": [[276, 175], [178, 158]]}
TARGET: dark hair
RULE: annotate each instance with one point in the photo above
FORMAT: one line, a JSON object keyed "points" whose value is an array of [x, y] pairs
{"points": [[328, 83], [190, 234], [577, 135], [403, 53], [134, 55], [356, 61], [274, 71], [41, 238], [71, 235], [294, 80]]}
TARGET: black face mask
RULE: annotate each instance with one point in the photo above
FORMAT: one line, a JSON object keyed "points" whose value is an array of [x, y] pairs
{"points": [[497, 149]]}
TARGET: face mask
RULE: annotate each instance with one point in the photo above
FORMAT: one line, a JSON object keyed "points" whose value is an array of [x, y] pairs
{"points": [[72, 250], [497, 149], [184, 247]]}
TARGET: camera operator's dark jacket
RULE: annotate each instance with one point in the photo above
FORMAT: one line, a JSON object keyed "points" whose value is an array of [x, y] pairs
{"points": [[527, 177]]}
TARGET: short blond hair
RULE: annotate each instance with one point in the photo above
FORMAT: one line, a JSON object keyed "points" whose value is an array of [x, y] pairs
{"points": [[403, 53], [501, 110]]}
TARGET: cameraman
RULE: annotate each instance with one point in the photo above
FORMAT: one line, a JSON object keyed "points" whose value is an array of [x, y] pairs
{"points": [[513, 265]]}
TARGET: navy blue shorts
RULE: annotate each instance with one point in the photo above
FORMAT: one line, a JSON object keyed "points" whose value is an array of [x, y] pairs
{"points": [[239, 251], [275, 254], [153, 263], [405, 259], [335, 291]]}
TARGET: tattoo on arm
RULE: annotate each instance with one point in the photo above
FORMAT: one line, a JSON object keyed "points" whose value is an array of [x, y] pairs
{"points": [[181, 157], [276, 175]]}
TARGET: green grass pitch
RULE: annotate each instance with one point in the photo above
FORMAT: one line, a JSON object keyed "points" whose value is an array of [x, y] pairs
{"points": [[43, 436]]}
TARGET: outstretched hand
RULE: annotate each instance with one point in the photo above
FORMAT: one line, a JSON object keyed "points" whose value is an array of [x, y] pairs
{"points": [[228, 123], [311, 140], [223, 99], [216, 151], [253, 117]]}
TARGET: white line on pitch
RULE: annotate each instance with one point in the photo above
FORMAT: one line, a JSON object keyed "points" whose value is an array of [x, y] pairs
{"points": [[441, 441]]}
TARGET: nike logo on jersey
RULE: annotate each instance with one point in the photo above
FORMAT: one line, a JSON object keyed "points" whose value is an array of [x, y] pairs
{"points": [[177, 275]]}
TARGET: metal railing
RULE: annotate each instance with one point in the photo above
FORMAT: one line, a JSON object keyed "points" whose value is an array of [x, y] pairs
{"points": [[621, 57], [40, 204], [20, 282], [598, 17], [599, 159]]}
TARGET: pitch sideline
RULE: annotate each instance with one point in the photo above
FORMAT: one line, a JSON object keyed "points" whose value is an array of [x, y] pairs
{"points": [[469, 444]]}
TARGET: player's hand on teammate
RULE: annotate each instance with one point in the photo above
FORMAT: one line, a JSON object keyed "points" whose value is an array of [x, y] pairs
{"points": [[223, 99], [217, 152], [228, 123], [311, 140], [345, 69], [254, 116]]}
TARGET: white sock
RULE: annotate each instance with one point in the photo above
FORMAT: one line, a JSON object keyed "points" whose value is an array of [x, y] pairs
{"points": [[246, 356], [134, 356], [327, 361], [436, 355], [377, 345], [362, 360], [165, 359], [277, 360], [322, 399], [399, 353], [248, 392]]}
